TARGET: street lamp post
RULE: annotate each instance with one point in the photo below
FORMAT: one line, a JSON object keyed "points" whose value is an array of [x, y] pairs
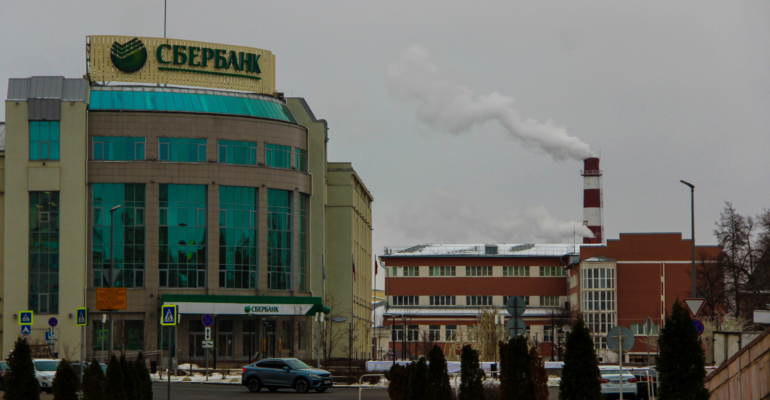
{"points": [[112, 264], [692, 225]]}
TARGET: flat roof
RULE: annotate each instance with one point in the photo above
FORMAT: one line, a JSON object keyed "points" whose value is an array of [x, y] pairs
{"points": [[483, 249]]}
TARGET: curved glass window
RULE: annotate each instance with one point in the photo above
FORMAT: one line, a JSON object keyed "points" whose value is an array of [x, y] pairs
{"points": [[182, 226], [188, 100], [238, 252], [277, 156], [279, 232]]}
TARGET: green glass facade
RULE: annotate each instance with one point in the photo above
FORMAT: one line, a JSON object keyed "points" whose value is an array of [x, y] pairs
{"points": [[277, 156], [182, 149], [238, 234], [182, 224], [129, 230], [279, 238], [44, 252], [301, 159], [118, 148], [303, 245], [191, 100], [239, 153], [44, 140]]}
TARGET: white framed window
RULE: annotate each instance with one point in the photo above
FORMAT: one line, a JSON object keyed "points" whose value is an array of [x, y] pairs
{"points": [[515, 271], [552, 271], [478, 271], [434, 333], [478, 300], [411, 271], [640, 329], [526, 300], [549, 301], [442, 271], [406, 300], [442, 300]]}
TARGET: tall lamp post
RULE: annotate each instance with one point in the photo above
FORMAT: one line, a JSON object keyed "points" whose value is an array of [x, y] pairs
{"points": [[692, 224], [112, 264]]}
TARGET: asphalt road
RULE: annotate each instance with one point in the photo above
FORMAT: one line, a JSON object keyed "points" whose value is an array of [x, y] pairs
{"points": [[195, 391]]}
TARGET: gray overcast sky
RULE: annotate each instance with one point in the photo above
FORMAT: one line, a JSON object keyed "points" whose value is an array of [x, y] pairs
{"points": [[665, 90]]}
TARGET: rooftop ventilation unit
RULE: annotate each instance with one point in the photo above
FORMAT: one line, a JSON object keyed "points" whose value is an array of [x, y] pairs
{"points": [[490, 249]]}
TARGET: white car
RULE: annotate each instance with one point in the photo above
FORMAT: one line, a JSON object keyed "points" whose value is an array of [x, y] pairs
{"points": [[611, 378], [45, 369]]}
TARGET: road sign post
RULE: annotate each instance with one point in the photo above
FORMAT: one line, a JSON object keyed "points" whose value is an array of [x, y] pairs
{"points": [[619, 339], [695, 305], [81, 320], [516, 307], [169, 316], [26, 317], [699, 326]]}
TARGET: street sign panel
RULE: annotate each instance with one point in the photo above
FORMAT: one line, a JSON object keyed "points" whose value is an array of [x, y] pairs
{"points": [[207, 344], [52, 322], [50, 337], [207, 333], [340, 319], [169, 315], [208, 320], [613, 338], [695, 305], [25, 317], [82, 317], [699, 326], [26, 330], [516, 327], [111, 298], [515, 306], [104, 334]]}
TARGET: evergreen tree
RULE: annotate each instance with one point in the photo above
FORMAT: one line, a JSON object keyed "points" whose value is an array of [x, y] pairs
{"points": [[438, 375], [518, 377], [93, 382], [113, 382], [580, 378], [130, 379], [539, 376], [471, 375], [416, 380], [503, 350], [144, 382], [20, 380], [396, 382], [65, 382], [681, 361]]}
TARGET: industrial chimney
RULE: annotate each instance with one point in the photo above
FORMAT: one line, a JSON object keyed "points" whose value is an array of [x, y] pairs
{"points": [[592, 200]]}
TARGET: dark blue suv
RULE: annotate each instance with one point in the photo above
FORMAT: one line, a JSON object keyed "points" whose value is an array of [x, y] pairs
{"points": [[276, 373]]}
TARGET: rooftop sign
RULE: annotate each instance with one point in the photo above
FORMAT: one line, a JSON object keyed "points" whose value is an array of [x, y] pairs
{"points": [[180, 62]]}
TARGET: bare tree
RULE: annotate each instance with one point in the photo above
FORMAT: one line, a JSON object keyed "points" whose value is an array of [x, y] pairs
{"points": [[332, 338], [710, 277]]}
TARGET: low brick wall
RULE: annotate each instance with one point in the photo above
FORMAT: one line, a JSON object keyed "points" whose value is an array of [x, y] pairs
{"points": [[745, 375]]}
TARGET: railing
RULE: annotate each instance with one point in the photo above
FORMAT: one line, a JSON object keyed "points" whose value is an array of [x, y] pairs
{"points": [[361, 386]]}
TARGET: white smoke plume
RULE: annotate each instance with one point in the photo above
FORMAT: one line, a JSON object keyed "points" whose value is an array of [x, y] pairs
{"points": [[447, 218], [456, 108]]}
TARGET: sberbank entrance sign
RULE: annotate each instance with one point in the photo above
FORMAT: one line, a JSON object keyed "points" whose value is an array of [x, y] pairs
{"points": [[180, 62]]}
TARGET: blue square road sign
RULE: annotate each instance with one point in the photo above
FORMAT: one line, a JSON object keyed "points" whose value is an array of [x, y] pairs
{"points": [[26, 330], [25, 317], [82, 317], [169, 315]]}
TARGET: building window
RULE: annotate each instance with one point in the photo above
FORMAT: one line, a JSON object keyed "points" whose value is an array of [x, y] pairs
{"points": [[552, 271], [413, 333], [478, 271], [526, 300], [395, 271], [406, 300], [442, 300], [598, 278], [548, 333], [300, 159], [238, 237], [279, 232], [43, 140], [478, 300], [600, 300], [110, 148], [182, 149], [640, 329], [398, 333], [411, 271], [451, 332], [239, 153], [250, 327], [434, 333], [600, 342], [129, 241], [278, 156], [599, 322], [442, 271], [182, 250], [44, 252], [549, 301], [515, 271], [304, 227]]}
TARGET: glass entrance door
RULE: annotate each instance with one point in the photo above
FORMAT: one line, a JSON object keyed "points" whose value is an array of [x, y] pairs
{"points": [[269, 340]]}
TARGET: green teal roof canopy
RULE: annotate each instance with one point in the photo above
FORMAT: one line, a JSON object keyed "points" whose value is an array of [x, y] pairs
{"points": [[188, 100]]}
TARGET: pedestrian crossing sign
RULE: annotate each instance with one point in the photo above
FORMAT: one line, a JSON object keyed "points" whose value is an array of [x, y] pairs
{"points": [[82, 319], [169, 315], [25, 317], [26, 330]]}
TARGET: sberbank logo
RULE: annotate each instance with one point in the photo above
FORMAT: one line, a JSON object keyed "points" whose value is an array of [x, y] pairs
{"points": [[129, 57], [261, 309]]}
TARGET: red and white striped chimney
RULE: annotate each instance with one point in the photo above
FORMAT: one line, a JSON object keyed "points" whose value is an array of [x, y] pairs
{"points": [[592, 200]]}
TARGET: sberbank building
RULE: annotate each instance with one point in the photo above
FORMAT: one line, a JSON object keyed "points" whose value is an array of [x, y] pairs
{"points": [[174, 172]]}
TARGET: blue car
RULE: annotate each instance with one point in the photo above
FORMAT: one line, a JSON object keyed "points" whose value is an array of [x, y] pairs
{"points": [[277, 373]]}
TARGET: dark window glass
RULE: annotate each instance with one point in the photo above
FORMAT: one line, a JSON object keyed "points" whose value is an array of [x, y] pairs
{"points": [[44, 252], [44, 140], [301, 159], [236, 152], [304, 206], [277, 156], [182, 149], [118, 148], [279, 238], [238, 234], [182, 249]]}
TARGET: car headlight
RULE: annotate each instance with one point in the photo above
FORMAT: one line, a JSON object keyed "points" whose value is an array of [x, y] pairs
{"points": [[315, 376]]}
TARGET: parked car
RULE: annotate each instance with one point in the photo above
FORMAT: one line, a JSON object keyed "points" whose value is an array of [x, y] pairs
{"points": [[277, 373], [45, 369], [646, 382], [611, 378], [3, 368]]}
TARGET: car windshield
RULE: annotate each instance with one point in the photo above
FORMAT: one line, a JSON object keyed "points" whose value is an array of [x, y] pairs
{"points": [[615, 372], [46, 365], [297, 364]]}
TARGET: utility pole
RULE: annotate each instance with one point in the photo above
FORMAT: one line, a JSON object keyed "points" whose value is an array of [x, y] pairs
{"points": [[692, 227]]}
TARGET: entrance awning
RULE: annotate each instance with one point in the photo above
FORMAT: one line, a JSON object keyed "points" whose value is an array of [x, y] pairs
{"points": [[244, 305]]}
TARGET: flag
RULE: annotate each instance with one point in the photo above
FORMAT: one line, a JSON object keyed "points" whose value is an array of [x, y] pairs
{"points": [[375, 267], [354, 268], [323, 266]]}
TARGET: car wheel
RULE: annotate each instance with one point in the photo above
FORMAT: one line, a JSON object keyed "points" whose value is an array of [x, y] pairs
{"points": [[301, 385], [253, 385], [320, 390], [272, 389]]}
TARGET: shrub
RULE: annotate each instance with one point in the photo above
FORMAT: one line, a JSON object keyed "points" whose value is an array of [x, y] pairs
{"points": [[20, 381], [396, 382], [416, 380], [438, 375], [65, 382], [93, 382], [539, 376], [130, 380], [681, 361], [114, 383], [144, 391], [471, 375], [580, 378], [519, 384]]}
